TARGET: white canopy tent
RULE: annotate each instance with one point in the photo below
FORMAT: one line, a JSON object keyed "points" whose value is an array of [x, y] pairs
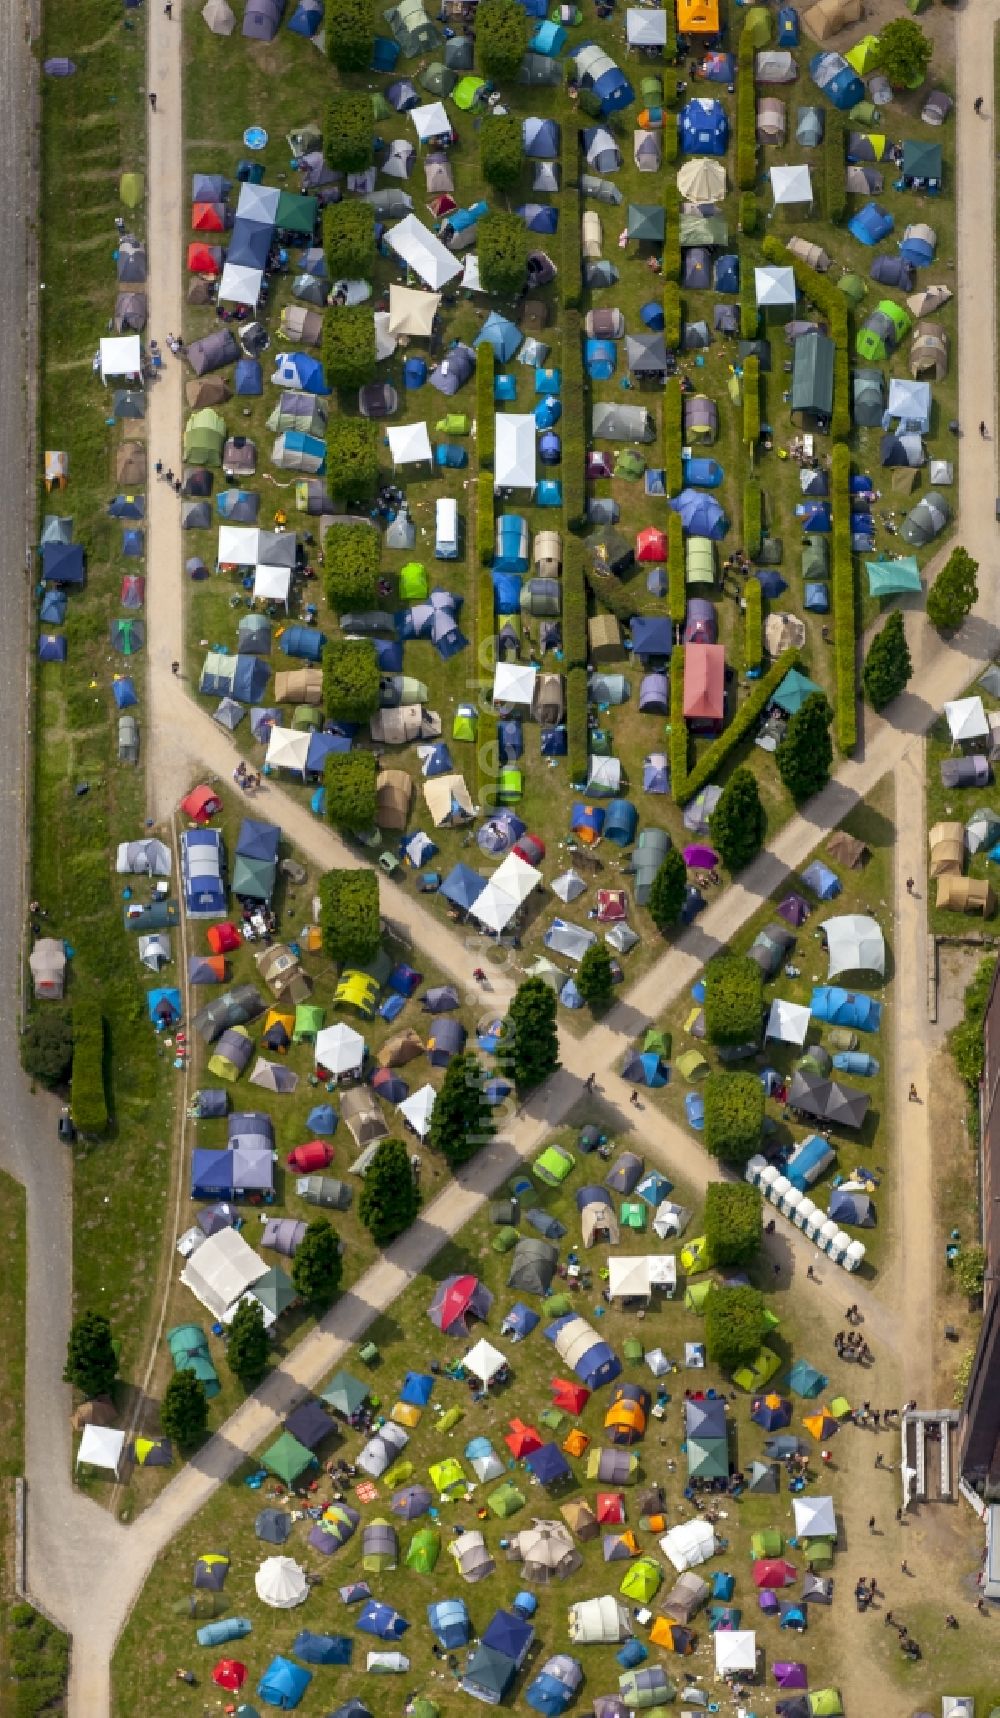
{"points": [[484, 1361], [514, 683], [240, 284], [418, 1108], [222, 1270], [854, 944], [431, 120], [409, 444], [238, 545], [272, 583], [735, 1652], [121, 355], [505, 893], [421, 251], [966, 719], [412, 312], [791, 185], [470, 274], [815, 1518], [774, 287], [514, 463], [645, 29], [340, 1049], [101, 1446], [281, 1583], [788, 1022], [385, 340], [629, 1279], [568, 886], [287, 749]]}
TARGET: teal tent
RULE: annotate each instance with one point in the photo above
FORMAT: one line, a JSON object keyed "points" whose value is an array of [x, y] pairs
{"points": [[793, 691], [889, 578]]}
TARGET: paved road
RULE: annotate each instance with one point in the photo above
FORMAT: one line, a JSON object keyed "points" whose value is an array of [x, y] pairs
{"points": [[82, 1564]]}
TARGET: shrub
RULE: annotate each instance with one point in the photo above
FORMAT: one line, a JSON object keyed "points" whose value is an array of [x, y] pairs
{"points": [[91, 1362], [954, 592], [349, 45], [462, 1119], [485, 523], [350, 679], [38, 1663], [529, 1047], [733, 1222], [667, 895], [888, 667], [504, 243], [349, 239], [753, 517], [736, 1326], [621, 600], [318, 1265], [349, 346], [967, 1041], [351, 555], [753, 625], [350, 134], [749, 314], [594, 978], [573, 451], [749, 214], [804, 755], [845, 642], [676, 578], [671, 140], [671, 315], [673, 436], [184, 1410], [351, 800], [840, 418], [47, 1046], [905, 53], [88, 1105], [734, 1000], [247, 1343], [970, 1271], [751, 401], [502, 36], [349, 917], [671, 232], [486, 371], [835, 166], [739, 822], [500, 155], [745, 720], [734, 1116], [390, 1198], [352, 446], [569, 160]]}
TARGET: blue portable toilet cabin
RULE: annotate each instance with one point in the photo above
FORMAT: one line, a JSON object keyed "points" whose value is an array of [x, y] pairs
{"points": [[788, 27], [306, 642]]}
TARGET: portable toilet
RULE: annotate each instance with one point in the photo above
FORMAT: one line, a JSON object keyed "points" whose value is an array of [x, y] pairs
{"points": [[788, 27]]}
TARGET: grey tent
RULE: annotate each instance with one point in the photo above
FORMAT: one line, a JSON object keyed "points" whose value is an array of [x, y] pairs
{"points": [[600, 190], [703, 230], [261, 19], [646, 356], [868, 394], [539, 70], [696, 268], [412, 28], [128, 739], [533, 1266], [926, 520], [686, 1597], [902, 450], [437, 79], [809, 127], [771, 948], [695, 336], [613, 422], [601, 151], [812, 375], [212, 351], [325, 1191], [196, 516], [459, 52], [625, 1173], [233, 1008], [828, 1100], [762, 1478], [892, 271], [284, 1235], [273, 1526], [647, 857], [131, 265], [130, 313]]}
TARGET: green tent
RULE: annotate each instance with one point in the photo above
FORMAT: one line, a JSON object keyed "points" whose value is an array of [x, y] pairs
{"points": [[708, 1458], [642, 1581], [400, 1473], [657, 1042], [557, 1305], [865, 56], [921, 159], [305, 719], [629, 464], [295, 411], [465, 92], [633, 1215], [424, 1551], [509, 787], [815, 557], [699, 561], [464, 725], [424, 1708], [275, 1291], [889, 578], [253, 877], [296, 213], [812, 375], [130, 189], [506, 1500], [707, 230], [553, 1166], [692, 1065], [758, 1371], [453, 423], [413, 581], [309, 1018], [826, 1702], [793, 691], [378, 1548], [345, 1394], [448, 1475], [818, 1553], [380, 110], [287, 1459], [767, 1543], [852, 286], [696, 1294], [646, 222], [505, 1238], [204, 434]]}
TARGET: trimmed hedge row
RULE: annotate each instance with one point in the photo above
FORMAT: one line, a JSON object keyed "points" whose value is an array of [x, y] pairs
{"points": [[671, 140], [350, 135], [487, 751], [574, 605], [734, 1116], [734, 999], [87, 1101], [570, 254], [617, 599], [676, 585], [350, 44], [749, 314], [753, 625], [749, 214], [751, 401], [500, 157], [673, 435], [671, 233], [350, 679], [349, 916], [574, 469], [685, 786], [352, 448], [753, 516], [677, 734], [844, 617], [351, 555], [486, 369], [672, 315], [349, 346], [577, 743], [503, 244], [485, 523], [349, 239], [835, 166], [746, 115], [351, 795]]}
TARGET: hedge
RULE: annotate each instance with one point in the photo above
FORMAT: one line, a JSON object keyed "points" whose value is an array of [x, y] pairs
{"points": [[570, 254], [676, 573], [500, 157], [349, 916], [749, 313], [348, 348], [350, 134], [677, 732], [671, 315], [844, 617], [574, 455], [734, 1000], [753, 624], [749, 214], [351, 555], [753, 516], [671, 139], [733, 1221], [734, 1116], [621, 600], [673, 435], [486, 370], [503, 243], [686, 784], [87, 1101], [485, 524], [350, 44], [671, 233], [352, 446], [746, 115], [349, 239], [349, 779], [574, 605], [578, 745], [487, 750], [835, 166], [350, 679], [751, 401], [502, 35], [569, 158], [840, 421]]}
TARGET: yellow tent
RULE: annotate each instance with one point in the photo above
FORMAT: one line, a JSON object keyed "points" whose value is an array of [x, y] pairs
{"points": [[359, 991], [130, 189]]}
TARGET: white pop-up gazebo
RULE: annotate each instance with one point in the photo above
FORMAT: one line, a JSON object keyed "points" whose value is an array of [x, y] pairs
{"points": [[431, 120], [409, 444], [340, 1049], [774, 287], [423, 252], [735, 1652], [791, 185], [272, 583], [418, 1109], [484, 1361], [966, 719], [514, 683], [788, 1022], [240, 284], [287, 749], [101, 1447], [412, 312], [514, 459], [121, 355]]}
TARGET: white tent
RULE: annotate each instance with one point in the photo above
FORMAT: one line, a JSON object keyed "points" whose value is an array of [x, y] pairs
{"points": [[646, 29], [702, 180], [222, 1270], [815, 1518], [514, 683], [219, 16], [854, 944], [121, 355], [448, 800], [629, 1278], [240, 284], [385, 340], [568, 886], [599, 1621], [470, 274], [735, 1651], [484, 1361], [791, 185], [657, 1362], [966, 719], [238, 545], [281, 1583], [409, 444], [506, 891], [287, 749], [339, 1049], [423, 252], [688, 1544], [774, 287], [101, 1446], [514, 463], [272, 583], [670, 1219], [412, 312], [788, 1022], [431, 120], [418, 1109]]}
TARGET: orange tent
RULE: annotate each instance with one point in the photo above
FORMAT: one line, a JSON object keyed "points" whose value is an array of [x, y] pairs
{"points": [[575, 1444], [698, 17], [626, 1421], [821, 1424], [671, 1636]]}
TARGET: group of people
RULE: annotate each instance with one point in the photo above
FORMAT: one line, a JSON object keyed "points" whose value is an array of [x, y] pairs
{"points": [[850, 1345], [166, 473], [248, 780]]}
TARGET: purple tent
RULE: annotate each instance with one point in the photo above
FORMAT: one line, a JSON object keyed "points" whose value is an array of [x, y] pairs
{"points": [[788, 1673], [412, 1501], [654, 695], [794, 910], [701, 858]]}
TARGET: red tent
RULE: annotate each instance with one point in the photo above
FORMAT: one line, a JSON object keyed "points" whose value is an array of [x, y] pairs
{"points": [[704, 683], [208, 217], [229, 1673], [457, 1302], [651, 544], [313, 1155], [201, 804], [204, 259], [571, 1398], [610, 1508], [224, 938], [530, 848], [773, 1572], [522, 1440]]}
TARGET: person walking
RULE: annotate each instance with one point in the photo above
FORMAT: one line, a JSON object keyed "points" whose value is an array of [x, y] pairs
{"points": [[175, 668], [871, 1523], [909, 885], [152, 100], [158, 468], [982, 428], [590, 1081], [634, 1099], [977, 106], [904, 1567], [168, 10]]}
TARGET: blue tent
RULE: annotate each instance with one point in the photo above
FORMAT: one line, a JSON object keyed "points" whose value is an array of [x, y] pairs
{"points": [[855, 1209], [385, 53], [381, 1620], [651, 316], [51, 647], [613, 90], [645, 1069], [838, 80], [304, 641], [127, 507], [322, 1120], [771, 582], [53, 608], [694, 1110], [224, 1629], [62, 563], [846, 1008], [816, 598], [510, 739], [855, 1062], [512, 542], [508, 1633], [701, 515], [810, 1159], [788, 27], [322, 1648], [548, 381], [164, 1007], [548, 493], [300, 370], [248, 377], [540, 138], [449, 1623], [597, 1365], [600, 358], [821, 880], [805, 1380], [462, 887], [258, 840], [310, 446], [620, 822], [539, 217], [548, 39], [916, 251], [871, 224], [548, 1465], [414, 373], [704, 127], [123, 691], [504, 336], [653, 1188], [652, 635], [305, 21], [727, 273], [438, 762], [133, 543], [706, 473], [322, 746], [283, 1684], [655, 773], [519, 1322], [506, 592], [554, 742], [417, 1389]]}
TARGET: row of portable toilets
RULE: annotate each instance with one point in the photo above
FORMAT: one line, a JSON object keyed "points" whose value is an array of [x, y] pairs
{"points": [[805, 1215]]}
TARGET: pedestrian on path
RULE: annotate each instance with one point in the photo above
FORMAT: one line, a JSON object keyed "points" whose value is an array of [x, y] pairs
{"points": [[158, 468], [982, 429], [871, 1523], [909, 885], [904, 1568], [634, 1100], [914, 1099], [977, 105], [152, 100], [590, 1081], [175, 668], [168, 10]]}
